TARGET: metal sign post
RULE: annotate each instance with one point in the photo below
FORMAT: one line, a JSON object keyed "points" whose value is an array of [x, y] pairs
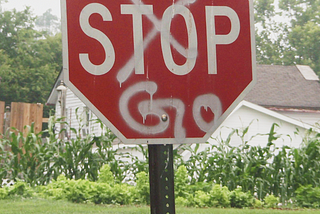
{"points": [[161, 178]]}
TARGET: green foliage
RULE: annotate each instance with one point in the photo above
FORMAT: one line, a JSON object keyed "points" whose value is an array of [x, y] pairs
{"points": [[181, 181], [293, 39], [264, 9], [181, 201], [201, 199], [105, 175], [84, 191], [271, 201], [38, 161], [219, 196], [30, 60], [143, 188], [307, 161], [241, 199], [3, 193], [198, 164], [307, 196], [257, 203], [20, 189], [139, 164], [29, 158], [260, 171]]}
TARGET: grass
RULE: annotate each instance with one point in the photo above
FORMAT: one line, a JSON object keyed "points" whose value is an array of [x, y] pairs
{"points": [[37, 206]]}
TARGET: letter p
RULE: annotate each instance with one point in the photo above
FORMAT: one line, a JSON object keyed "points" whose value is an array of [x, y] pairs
{"points": [[212, 39]]}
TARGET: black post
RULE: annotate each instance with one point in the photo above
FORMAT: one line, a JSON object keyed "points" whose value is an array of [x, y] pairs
{"points": [[161, 178]]}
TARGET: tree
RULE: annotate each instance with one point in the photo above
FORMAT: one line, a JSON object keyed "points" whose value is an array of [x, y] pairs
{"points": [[304, 34], [296, 40], [30, 60], [48, 22]]}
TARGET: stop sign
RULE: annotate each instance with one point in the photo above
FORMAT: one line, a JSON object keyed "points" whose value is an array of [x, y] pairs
{"points": [[159, 71]]}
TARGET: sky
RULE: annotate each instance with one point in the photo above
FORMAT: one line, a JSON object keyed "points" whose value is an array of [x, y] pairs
{"points": [[38, 7]]}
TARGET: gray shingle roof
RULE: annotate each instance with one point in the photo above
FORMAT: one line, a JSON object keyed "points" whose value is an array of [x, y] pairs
{"points": [[284, 87]]}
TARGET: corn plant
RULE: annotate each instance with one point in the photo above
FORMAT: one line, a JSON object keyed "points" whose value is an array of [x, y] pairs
{"points": [[4, 157], [198, 163], [307, 161], [27, 156]]}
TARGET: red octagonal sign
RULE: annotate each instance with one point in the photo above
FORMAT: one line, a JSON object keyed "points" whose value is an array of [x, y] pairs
{"points": [[159, 71]]}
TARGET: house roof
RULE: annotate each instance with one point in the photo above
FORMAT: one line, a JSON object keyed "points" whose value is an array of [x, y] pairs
{"points": [[273, 114], [285, 87], [53, 97], [295, 87]]}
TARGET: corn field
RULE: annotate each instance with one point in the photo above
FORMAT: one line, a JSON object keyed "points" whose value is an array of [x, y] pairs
{"points": [[259, 170]]}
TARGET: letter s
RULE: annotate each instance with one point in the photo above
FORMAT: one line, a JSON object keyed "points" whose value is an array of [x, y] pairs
{"points": [[85, 14]]}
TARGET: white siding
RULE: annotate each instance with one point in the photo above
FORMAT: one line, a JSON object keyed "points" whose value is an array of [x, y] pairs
{"points": [[310, 118], [76, 116], [261, 123]]}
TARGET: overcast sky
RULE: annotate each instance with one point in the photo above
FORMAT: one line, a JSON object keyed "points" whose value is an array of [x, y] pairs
{"points": [[38, 7]]}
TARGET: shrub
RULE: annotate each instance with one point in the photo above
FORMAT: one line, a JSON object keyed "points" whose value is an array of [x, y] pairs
{"points": [[241, 199], [55, 189], [257, 203], [181, 181], [78, 190], [307, 196], [201, 199], [203, 186], [20, 189], [219, 196], [101, 193], [121, 194], [271, 201], [143, 188], [105, 175], [3, 193], [180, 201]]}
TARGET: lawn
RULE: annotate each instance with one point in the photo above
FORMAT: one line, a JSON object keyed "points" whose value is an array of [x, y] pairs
{"points": [[37, 206]]}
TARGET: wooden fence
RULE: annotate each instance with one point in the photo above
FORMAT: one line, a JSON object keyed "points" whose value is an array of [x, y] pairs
{"points": [[20, 115]]}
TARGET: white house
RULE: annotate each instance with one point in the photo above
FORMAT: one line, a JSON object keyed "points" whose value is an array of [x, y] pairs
{"points": [[286, 95]]}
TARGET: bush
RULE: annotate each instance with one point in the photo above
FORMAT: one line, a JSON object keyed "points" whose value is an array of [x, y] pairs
{"points": [[203, 186], [307, 196], [271, 201], [56, 189], [101, 193], [219, 196], [257, 203], [180, 201], [3, 193], [20, 189], [105, 175], [143, 188], [81, 191], [181, 181], [201, 199], [241, 199], [121, 194]]}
